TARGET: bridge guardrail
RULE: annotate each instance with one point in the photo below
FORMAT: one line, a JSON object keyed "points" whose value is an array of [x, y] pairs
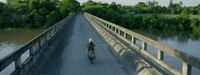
{"points": [[33, 47], [130, 37]]}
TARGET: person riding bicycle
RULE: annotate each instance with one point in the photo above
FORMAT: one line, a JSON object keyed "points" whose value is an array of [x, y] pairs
{"points": [[90, 47]]}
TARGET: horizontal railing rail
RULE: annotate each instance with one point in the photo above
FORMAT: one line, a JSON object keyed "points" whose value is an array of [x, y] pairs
{"points": [[130, 37], [33, 46]]}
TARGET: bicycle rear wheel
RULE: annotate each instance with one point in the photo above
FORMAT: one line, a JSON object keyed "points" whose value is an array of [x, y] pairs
{"points": [[91, 56]]}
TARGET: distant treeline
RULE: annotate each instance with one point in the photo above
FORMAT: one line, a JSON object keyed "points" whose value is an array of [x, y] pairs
{"points": [[147, 16], [34, 13]]}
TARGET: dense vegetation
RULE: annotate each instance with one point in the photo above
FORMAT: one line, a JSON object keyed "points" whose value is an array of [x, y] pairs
{"points": [[147, 16], [34, 13]]}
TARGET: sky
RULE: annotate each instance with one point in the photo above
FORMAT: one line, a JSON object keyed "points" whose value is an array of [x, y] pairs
{"points": [[133, 2], [161, 2]]}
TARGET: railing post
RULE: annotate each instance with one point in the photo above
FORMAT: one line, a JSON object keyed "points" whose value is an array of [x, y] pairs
{"points": [[18, 63], [105, 24], [144, 46], [48, 36], [45, 38], [112, 28], [60, 26], [50, 33], [133, 40], [57, 28], [31, 53], [109, 27], [186, 69], [124, 35], [160, 54], [54, 30], [40, 42], [119, 32], [115, 30]]}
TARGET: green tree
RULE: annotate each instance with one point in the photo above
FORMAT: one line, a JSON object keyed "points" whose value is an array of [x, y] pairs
{"points": [[67, 6], [2, 7], [140, 7]]}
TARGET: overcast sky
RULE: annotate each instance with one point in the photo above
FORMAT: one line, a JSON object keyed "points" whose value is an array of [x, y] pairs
{"points": [[133, 2]]}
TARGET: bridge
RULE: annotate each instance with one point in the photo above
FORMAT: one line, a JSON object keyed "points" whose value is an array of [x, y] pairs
{"points": [[60, 50]]}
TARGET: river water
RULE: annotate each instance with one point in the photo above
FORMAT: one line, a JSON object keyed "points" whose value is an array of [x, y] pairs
{"points": [[10, 40]]}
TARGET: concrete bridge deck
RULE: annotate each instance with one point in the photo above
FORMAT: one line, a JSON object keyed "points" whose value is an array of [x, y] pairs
{"points": [[72, 60]]}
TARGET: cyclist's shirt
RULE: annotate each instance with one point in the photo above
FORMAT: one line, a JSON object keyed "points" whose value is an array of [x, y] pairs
{"points": [[91, 46]]}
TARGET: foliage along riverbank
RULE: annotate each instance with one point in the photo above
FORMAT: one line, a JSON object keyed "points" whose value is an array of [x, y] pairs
{"points": [[33, 14], [132, 17]]}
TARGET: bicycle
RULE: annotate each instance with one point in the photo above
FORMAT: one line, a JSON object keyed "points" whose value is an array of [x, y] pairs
{"points": [[91, 56], [90, 50]]}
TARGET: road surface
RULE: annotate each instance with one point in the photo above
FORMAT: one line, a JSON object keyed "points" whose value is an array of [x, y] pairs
{"points": [[72, 60]]}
